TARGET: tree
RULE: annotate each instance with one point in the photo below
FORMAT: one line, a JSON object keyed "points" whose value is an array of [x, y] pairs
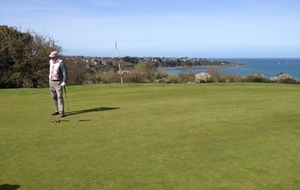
{"points": [[12, 45], [76, 70], [38, 59], [24, 58]]}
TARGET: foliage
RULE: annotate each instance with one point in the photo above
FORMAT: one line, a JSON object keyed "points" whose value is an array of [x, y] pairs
{"points": [[137, 77], [109, 76], [134, 60], [216, 75], [161, 75], [187, 78], [284, 78], [133, 77], [181, 78], [202, 77], [77, 72], [174, 79], [255, 77], [24, 58], [233, 78]]}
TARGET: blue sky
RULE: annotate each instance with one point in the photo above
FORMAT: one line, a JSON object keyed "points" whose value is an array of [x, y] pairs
{"points": [[163, 28]]}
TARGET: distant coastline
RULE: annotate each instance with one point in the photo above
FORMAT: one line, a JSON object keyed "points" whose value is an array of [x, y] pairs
{"points": [[267, 67], [231, 64]]}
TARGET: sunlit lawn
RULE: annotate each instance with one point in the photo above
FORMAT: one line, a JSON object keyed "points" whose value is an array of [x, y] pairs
{"points": [[153, 136]]}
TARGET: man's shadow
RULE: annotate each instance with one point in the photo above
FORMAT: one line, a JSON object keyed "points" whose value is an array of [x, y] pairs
{"points": [[92, 110], [9, 187]]}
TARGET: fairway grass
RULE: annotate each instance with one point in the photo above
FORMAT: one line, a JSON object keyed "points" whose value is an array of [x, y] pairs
{"points": [[153, 136]]}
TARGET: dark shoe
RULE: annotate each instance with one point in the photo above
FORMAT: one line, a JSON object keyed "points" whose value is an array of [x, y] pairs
{"points": [[62, 115], [55, 113]]}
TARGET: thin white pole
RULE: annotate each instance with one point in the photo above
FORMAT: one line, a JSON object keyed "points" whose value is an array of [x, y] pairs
{"points": [[120, 71]]}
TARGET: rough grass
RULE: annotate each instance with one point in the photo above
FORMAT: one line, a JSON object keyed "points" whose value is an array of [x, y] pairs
{"points": [[153, 136]]}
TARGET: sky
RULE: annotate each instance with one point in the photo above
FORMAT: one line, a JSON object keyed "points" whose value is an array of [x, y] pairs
{"points": [[163, 28]]}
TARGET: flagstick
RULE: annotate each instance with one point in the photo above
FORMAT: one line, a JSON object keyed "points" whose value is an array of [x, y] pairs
{"points": [[120, 71]]}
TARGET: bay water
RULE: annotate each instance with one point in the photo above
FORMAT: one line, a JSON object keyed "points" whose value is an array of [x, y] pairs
{"points": [[268, 67]]}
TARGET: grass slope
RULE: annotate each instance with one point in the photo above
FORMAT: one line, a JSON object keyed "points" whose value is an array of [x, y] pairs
{"points": [[153, 136]]}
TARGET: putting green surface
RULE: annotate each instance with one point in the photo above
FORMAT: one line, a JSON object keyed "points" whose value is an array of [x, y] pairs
{"points": [[153, 136]]}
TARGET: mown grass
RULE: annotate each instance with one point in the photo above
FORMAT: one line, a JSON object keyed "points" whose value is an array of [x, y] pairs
{"points": [[153, 136]]}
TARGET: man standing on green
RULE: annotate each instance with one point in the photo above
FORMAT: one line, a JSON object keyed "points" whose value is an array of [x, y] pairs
{"points": [[57, 80]]}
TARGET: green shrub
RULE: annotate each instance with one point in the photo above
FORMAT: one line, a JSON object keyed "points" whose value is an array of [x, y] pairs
{"points": [[233, 78], [186, 78], [216, 75], [161, 75], [137, 77], [109, 77], [174, 79], [255, 77]]}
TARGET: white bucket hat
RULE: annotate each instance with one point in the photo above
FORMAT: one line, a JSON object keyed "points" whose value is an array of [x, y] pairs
{"points": [[53, 54]]}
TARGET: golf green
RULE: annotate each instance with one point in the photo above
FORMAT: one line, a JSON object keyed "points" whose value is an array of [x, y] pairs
{"points": [[152, 136]]}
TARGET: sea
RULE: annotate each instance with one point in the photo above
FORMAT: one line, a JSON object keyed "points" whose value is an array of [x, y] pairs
{"points": [[267, 67]]}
